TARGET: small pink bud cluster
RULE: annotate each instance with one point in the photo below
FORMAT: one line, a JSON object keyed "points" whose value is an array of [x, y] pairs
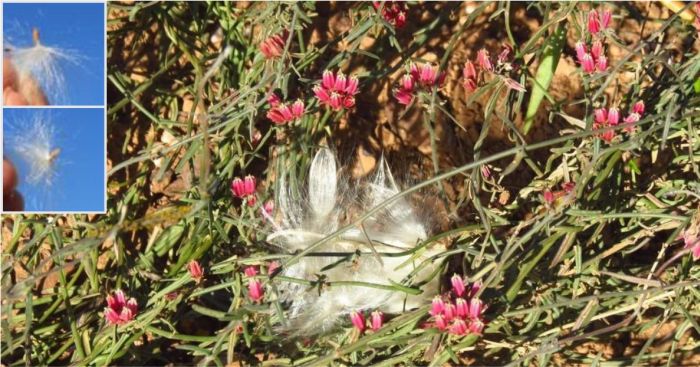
{"points": [[425, 77], [244, 189], [119, 310], [196, 271], [460, 312], [376, 320], [474, 74], [336, 90], [567, 188], [692, 242], [603, 118], [282, 113], [598, 21], [273, 47], [593, 60], [611, 117], [256, 292], [394, 12]]}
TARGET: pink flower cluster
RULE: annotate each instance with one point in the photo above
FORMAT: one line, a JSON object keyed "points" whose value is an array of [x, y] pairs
{"points": [[474, 74], [196, 271], [273, 47], [604, 118], [593, 60], [119, 310], [336, 90], [598, 21], [375, 322], [424, 77], [256, 292], [394, 12], [282, 113], [244, 189], [459, 312]]}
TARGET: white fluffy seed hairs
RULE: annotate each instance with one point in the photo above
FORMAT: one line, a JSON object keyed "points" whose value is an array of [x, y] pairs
{"points": [[34, 142], [394, 229]]}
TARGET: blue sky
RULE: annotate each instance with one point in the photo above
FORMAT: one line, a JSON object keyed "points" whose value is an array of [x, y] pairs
{"points": [[76, 28], [79, 184]]}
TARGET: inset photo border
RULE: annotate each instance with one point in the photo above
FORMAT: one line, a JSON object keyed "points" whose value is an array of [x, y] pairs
{"points": [[54, 54], [54, 160]]}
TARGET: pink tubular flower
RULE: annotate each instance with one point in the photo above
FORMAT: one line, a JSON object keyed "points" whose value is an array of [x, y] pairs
{"points": [[601, 63], [438, 306], [377, 320], [476, 307], [470, 76], [462, 308], [195, 270], [336, 90], [440, 322], [483, 60], [613, 116], [600, 115], [449, 312], [581, 51], [273, 99], [249, 185], [237, 188], [469, 71], [593, 22], [255, 290], [394, 12], [597, 49], [638, 108], [587, 63], [358, 320], [250, 271], [459, 327], [458, 285], [119, 310], [476, 326], [273, 47], [403, 97]]}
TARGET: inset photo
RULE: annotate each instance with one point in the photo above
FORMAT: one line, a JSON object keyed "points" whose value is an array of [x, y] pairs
{"points": [[53, 54], [54, 160]]}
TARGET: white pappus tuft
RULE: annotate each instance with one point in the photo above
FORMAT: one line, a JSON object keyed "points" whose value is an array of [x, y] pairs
{"points": [[34, 142], [395, 228]]}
